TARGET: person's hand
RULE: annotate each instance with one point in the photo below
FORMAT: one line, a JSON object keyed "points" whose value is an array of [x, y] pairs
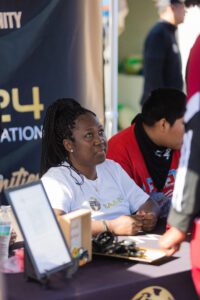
{"points": [[149, 220], [13, 237], [170, 242], [125, 225]]}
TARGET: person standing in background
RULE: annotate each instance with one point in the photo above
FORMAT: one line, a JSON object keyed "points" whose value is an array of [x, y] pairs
{"points": [[162, 59], [185, 210]]}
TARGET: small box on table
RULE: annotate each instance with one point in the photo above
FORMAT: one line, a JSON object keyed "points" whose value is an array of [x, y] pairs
{"points": [[76, 227]]}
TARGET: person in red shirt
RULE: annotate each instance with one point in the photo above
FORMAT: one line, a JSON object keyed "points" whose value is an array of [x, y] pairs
{"points": [[148, 150]]}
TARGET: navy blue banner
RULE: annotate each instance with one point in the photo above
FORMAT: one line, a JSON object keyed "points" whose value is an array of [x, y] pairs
{"points": [[42, 49]]}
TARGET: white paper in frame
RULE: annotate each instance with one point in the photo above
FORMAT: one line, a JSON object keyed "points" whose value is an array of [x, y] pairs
{"points": [[43, 238]]}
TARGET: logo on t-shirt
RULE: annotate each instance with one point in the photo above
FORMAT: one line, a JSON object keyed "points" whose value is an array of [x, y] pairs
{"points": [[94, 204]]}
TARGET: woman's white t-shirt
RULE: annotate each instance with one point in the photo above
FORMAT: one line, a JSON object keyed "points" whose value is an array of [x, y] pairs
{"points": [[111, 195]]}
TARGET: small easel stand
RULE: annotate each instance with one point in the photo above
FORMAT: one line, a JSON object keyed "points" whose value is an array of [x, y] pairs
{"points": [[31, 274]]}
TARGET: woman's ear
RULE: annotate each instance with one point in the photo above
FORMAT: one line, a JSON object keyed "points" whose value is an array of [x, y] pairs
{"points": [[68, 145]]}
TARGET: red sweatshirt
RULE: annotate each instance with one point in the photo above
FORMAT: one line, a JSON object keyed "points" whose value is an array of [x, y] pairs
{"points": [[124, 149]]}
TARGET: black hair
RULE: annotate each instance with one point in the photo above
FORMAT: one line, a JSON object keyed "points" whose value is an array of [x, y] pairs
{"points": [[189, 3], [58, 124], [165, 103]]}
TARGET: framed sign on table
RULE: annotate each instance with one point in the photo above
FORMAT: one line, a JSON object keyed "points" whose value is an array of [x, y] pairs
{"points": [[45, 244]]}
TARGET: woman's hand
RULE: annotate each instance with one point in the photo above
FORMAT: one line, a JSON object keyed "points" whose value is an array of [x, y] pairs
{"points": [[125, 225], [149, 213], [149, 220]]}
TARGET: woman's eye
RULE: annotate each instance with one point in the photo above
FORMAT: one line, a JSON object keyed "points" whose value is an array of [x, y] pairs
{"points": [[101, 132], [88, 135]]}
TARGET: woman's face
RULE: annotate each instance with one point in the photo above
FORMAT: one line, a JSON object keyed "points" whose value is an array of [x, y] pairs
{"points": [[89, 145]]}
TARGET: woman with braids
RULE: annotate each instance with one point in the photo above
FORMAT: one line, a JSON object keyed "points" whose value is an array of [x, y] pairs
{"points": [[76, 174]]}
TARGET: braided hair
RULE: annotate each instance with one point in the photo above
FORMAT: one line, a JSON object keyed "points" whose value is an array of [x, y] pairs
{"points": [[58, 124]]}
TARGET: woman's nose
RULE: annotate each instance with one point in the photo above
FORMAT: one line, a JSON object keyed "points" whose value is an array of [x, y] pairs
{"points": [[99, 139]]}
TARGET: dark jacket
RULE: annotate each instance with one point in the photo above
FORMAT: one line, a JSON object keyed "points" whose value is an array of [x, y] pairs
{"points": [[162, 60]]}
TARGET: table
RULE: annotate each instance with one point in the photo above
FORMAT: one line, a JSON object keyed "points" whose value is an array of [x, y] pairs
{"points": [[110, 278]]}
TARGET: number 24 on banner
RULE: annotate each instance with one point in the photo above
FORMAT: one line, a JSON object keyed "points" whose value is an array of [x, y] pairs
{"points": [[36, 107]]}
